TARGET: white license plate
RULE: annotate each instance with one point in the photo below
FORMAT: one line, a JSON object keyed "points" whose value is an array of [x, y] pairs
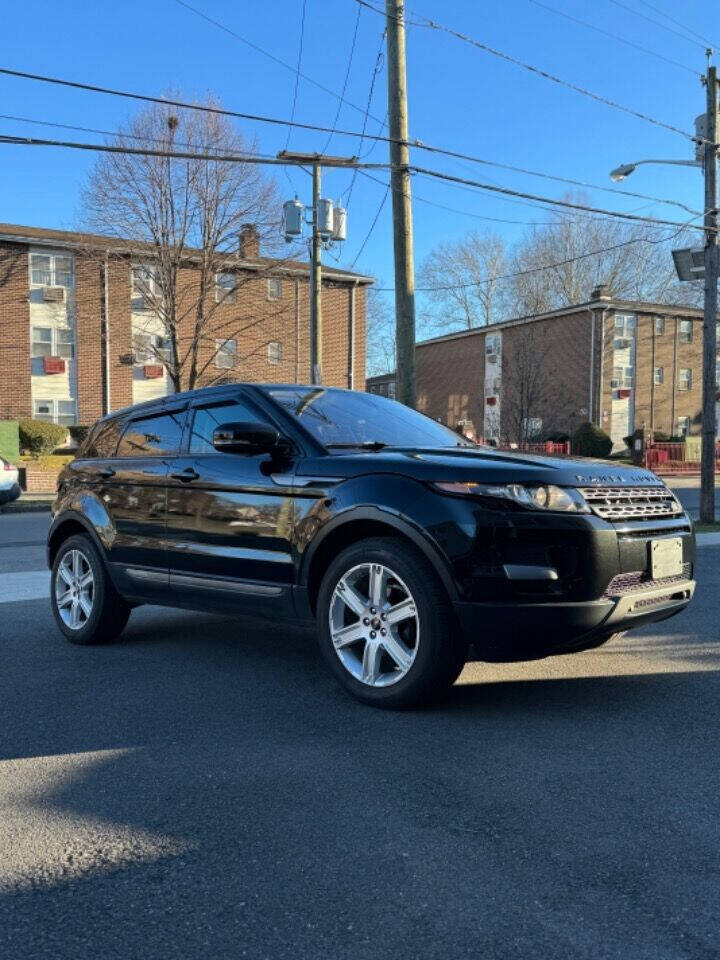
{"points": [[666, 558]]}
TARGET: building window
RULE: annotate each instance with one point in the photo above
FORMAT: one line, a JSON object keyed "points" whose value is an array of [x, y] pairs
{"points": [[686, 331], [492, 343], [683, 426], [144, 281], [274, 288], [659, 326], [622, 377], [624, 331], [225, 354], [391, 389], [63, 412], [659, 375], [150, 348], [51, 270], [274, 352], [225, 288], [53, 342], [685, 378]]}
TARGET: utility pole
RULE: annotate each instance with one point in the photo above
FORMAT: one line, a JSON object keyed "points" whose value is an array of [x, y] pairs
{"points": [[329, 226], [709, 391], [316, 283], [401, 203]]}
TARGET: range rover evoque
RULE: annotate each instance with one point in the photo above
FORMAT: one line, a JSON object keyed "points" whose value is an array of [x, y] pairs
{"points": [[411, 548]]}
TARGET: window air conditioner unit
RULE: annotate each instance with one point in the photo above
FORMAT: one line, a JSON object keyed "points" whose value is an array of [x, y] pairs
{"points": [[54, 294], [153, 371], [622, 343], [53, 365], [492, 358]]}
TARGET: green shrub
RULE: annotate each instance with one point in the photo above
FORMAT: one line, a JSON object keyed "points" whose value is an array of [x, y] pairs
{"points": [[39, 437], [591, 441], [78, 433]]}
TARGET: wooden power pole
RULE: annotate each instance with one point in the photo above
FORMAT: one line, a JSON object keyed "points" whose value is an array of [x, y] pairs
{"points": [[709, 392], [401, 203], [316, 324]]}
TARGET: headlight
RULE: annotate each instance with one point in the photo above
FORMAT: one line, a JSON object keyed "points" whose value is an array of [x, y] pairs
{"points": [[543, 497]]}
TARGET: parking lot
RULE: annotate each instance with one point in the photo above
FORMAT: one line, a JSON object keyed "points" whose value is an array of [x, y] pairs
{"points": [[204, 789]]}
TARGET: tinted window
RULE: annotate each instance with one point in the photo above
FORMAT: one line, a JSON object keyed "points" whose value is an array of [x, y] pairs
{"points": [[345, 417], [207, 419], [152, 436], [103, 441]]}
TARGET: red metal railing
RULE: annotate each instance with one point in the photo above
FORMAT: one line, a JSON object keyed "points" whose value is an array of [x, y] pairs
{"points": [[673, 458]]}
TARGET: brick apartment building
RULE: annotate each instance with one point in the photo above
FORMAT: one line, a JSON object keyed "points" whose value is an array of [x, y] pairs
{"points": [[77, 337], [621, 364]]}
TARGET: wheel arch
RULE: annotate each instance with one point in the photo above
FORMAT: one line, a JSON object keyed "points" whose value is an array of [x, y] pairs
{"points": [[361, 524], [68, 525]]}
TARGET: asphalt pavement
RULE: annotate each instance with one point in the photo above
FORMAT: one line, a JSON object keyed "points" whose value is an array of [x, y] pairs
{"points": [[203, 789]]}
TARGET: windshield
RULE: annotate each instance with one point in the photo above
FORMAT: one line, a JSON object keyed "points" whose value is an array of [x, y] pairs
{"points": [[346, 418]]}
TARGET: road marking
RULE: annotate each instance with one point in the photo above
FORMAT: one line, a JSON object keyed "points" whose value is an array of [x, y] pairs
{"points": [[32, 585]]}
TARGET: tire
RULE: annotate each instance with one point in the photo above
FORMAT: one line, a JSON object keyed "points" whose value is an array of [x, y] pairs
{"points": [[91, 611], [421, 653]]}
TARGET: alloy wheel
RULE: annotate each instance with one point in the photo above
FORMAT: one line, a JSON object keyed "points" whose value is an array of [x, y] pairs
{"points": [[374, 624], [74, 589]]}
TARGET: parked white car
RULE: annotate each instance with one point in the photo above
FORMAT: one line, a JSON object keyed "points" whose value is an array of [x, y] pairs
{"points": [[9, 486]]}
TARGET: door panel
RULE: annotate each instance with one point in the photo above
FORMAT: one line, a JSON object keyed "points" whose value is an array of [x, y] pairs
{"points": [[229, 520], [135, 493]]}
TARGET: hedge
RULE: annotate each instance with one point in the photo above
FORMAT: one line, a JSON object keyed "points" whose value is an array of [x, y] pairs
{"points": [[40, 437], [591, 441], [78, 433]]}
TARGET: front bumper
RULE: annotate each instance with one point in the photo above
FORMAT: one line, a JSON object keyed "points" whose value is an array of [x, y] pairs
{"points": [[510, 632]]}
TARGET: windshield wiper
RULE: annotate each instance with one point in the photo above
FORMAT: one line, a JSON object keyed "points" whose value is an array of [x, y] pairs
{"points": [[360, 445]]}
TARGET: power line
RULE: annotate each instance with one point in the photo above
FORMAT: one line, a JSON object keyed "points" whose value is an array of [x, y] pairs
{"points": [[418, 144], [614, 36], [372, 227], [373, 79], [297, 73], [266, 53], [433, 25], [678, 23], [548, 266], [559, 203], [345, 82], [643, 16]]}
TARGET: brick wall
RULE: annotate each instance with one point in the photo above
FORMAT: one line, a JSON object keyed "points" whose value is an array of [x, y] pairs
{"points": [[450, 380], [14, 333]]}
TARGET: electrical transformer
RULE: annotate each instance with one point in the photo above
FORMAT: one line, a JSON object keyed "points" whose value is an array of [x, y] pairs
{"points": [[339, 224], [292, 219], [325, 218]]}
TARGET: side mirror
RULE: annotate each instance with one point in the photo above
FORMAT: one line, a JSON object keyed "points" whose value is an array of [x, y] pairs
{"points": [[246, 437]]}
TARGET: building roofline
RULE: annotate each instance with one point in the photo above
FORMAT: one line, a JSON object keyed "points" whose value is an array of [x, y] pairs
{"points": [[639, 306], [47, 237]]}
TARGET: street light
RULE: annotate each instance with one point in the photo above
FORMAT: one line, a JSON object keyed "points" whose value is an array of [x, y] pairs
{"points": [[625, 169]]}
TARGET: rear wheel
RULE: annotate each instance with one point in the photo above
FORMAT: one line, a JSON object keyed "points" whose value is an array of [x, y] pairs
{"points": [[86, 606], [386, 626]]}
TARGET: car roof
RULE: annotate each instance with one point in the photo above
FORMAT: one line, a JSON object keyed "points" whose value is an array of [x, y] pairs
{"points": [[158, 404]]}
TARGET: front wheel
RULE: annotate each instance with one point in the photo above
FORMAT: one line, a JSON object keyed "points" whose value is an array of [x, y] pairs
{"points": [[86, 605], [386, 627]]}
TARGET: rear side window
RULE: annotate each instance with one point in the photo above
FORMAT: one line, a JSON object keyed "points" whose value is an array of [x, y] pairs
{"points": [[152, 436], [103, 440]]}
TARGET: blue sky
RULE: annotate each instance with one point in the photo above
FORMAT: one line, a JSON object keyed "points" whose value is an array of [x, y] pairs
{"points": [[459, 97]]}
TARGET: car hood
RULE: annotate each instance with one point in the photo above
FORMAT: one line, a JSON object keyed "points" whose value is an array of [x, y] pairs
{"points": [[482, 465]]}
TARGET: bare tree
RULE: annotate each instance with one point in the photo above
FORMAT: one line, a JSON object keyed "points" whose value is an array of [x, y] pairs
{"points": [[380, 334], [533, 401], [181, 219], [464, 294]]}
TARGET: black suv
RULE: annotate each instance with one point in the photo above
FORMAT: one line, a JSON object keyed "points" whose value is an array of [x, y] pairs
{"points": [[410, 547]]}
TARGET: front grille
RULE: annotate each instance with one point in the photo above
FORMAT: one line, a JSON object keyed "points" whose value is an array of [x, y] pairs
{"points": [[631, 503], [631, 582]]}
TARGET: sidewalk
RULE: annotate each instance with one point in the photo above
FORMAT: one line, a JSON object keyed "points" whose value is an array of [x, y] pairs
{"points": [[29, 503]]}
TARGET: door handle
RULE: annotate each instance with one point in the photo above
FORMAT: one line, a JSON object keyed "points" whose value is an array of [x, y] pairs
{"points": [[105, 473], [185, 475]]}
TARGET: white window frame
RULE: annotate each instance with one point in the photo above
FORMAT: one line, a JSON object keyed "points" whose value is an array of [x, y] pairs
{"points": [[226, 359], [225, 292], [55, 342], [683, 424], [275, 352], [685, 383], [54, 405], [659, 326], [144, 288], [274, 288], [685, 331], [52, 272], [659, 376], [149, 348]]}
